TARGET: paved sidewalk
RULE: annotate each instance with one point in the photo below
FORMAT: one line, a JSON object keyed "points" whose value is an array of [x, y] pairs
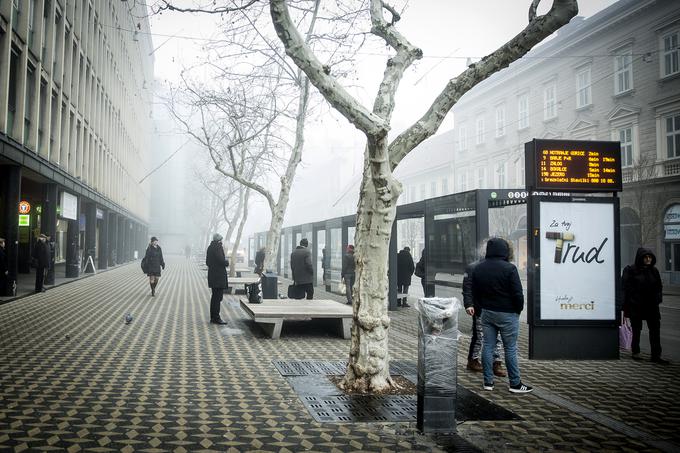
{"points": [[74, 378]]}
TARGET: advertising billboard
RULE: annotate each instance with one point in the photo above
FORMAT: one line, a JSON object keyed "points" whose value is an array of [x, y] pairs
{"points": [[578, 270]]}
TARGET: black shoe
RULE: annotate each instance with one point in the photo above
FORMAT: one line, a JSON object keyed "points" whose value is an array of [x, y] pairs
{"points": [[218, 321], [636, 356], [520, 388], [660, 361], [405, 305], [43, 290]]}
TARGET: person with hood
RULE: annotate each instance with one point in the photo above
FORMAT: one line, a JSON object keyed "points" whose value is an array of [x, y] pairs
{"points": [[642, 291], [497, 290], [153, 263], [217, 276], [41, 260], [302, 268], [348, 272], [259, 261], [421, 271], [472, 309], [405, 268]]}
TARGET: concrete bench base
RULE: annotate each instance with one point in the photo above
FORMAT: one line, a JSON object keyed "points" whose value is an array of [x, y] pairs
{"points": [[271, 313]]}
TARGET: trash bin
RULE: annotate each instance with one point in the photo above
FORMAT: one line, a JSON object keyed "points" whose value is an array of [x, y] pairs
{"points": [[269, 282], [437, 364]]}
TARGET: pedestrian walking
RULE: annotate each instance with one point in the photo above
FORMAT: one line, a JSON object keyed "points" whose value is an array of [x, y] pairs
{"points": [[187, 251], [642, 291], [421, 271], [497, 290], [349, 272], [405, 269], [259, 261], [41, 261], [4, 268], [217, 276], [474, 352], [302, 268], [153, 263]]}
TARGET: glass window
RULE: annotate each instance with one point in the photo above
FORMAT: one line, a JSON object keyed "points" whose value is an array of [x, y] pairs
{"points": [[462, 137], [481, 178], [583, 88], [500, 175], [670, 54], [550, 101], [673, 135], [463, 181], [500, 121], [445, 186], [423, 195], [626, 139], [433, 189], [623, 71], [523, 111], [480, 131]]}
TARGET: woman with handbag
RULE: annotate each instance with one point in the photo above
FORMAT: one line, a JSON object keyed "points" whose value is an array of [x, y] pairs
{"points": [[642, 291], [153, 262]]}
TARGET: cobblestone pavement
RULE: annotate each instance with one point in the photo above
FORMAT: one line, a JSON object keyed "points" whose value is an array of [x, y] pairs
{"points": [[74, 377]]}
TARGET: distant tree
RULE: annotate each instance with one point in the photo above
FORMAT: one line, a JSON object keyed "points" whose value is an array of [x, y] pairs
{"points": [[368, 367], [644, 199]]}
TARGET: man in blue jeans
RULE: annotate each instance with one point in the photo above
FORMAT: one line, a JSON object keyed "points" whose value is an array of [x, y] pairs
{"points": [[497, 290]]}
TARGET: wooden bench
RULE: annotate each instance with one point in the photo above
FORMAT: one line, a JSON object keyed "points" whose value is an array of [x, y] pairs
{"points": [[271, 313]]}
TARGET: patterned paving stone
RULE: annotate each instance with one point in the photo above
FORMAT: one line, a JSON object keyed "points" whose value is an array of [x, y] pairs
{"points": [[74, 377]]}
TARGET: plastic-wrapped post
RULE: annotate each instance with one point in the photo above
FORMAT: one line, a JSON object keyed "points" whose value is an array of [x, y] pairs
{"points": [[437, 361]]}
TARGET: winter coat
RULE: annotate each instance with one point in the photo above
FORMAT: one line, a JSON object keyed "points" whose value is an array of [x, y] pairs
{"points": [[301, 265], [3, 263], [217, 265], [642, 288], [259, 261], [495, 281], [348, 264], [468, 298], [154, 260], [41, 254], [405, 268]]}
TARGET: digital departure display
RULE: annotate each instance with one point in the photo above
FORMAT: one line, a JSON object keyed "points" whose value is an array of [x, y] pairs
{"points": [[573, 165]]}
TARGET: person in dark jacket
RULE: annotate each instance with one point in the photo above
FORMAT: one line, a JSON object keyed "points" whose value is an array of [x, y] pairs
{"points": [[259, 261], [497, 290], [405, 268], [642, 291], [41, 261], [302, 268], [4, 268], [472, 309], [217, 276], [421, 271], [349, 272], [154, 263]]}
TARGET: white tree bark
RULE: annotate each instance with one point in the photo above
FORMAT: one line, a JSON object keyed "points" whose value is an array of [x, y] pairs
{"points": [[368, 368]]}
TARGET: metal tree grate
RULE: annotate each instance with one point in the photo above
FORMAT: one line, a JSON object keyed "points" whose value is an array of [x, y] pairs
{"points": [[346, 408]]}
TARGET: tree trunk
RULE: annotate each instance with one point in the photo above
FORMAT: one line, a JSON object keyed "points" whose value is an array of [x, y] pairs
{"points": [[237, 241], [368, 368]]}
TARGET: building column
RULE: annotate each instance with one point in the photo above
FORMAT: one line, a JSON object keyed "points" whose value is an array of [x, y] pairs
{"points": [[113, 238], [90, 234], [72, 236], [104, 242], [12, 190], [49, 226]]}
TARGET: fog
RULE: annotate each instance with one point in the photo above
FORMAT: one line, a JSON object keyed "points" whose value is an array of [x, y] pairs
{"points": [[326, 185]]}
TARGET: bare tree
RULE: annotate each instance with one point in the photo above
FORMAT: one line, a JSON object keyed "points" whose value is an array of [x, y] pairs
{"points": [[368, 368], [644, 199]]}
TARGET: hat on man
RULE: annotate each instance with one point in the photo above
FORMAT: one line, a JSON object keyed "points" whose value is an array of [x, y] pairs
{"points": [[217, 237], [42, 236], [304, 242], [154, 238]]}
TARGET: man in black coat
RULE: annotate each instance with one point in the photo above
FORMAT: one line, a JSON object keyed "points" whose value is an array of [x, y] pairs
{"points": [[642, 291], [405, 268], [217, 276], [41, 260], [349, 272], [497, 289], [259, 261], [303, 271]]}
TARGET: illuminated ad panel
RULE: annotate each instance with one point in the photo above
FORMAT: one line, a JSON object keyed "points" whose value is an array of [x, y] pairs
{"points": [[573, 165], [577, 261]]}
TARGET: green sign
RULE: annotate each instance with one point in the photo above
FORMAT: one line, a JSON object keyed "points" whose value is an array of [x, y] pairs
{"points": [[24, 220]]}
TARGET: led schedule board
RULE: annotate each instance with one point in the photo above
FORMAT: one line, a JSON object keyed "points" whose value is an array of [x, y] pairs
{"points": [[573, 165]]}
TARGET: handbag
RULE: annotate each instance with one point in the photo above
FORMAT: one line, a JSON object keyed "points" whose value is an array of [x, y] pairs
{"points": [[342, 288], [295, 292], [420, 269], [143, 264], [625, 334]]}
